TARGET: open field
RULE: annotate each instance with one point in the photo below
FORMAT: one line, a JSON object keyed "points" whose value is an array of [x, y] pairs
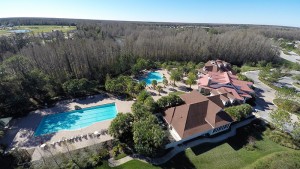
{"points": [[40, 28], [129, 165], [224, 155], [232, 153]]}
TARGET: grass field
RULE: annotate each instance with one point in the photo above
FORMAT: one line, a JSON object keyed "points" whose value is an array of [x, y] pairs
{"points": [[230, 154], [129, 165], [41, 28], [222, 156]]}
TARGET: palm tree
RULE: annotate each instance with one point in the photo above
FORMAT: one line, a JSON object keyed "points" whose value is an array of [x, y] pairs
{"points": [[154, 84], [159, 88], [165, 82], [191, 79], [175, 76], [143, 83]]}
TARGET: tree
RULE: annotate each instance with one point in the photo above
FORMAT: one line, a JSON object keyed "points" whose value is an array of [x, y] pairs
{"points": [[143, 83], [148, 137], [191, 79], [159, 89], [154, 83], [150, 104], [175, 75], [169, 101], [143, 96], [121, 127], [78, 87], [281, 118], [165, 82]]}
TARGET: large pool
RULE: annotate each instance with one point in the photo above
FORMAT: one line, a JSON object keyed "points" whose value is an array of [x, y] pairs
{"points": [[153, 76], [76, 119]]}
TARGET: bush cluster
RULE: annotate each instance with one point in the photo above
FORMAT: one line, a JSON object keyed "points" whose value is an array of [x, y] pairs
{"points": [[239, 112], [169, 101], [288, 105], [282, 138]]}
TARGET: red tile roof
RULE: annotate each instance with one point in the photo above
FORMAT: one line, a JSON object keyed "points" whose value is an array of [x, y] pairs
{"points": [[218, 66], [227, 81]]}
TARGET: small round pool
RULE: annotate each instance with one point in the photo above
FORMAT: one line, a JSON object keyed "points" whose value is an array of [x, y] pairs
{"points": [[152, 76]]}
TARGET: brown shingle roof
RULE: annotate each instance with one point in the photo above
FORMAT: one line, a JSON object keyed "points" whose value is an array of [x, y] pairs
{"points": [[193, 97], [198, 114], [217, 99]]}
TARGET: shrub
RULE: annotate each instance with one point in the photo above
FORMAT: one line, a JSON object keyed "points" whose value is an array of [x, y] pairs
{"points": [[103, 153], [120, 155], [283, 139], [244, 78], [288, 105], [251, 145], [239, 112]]}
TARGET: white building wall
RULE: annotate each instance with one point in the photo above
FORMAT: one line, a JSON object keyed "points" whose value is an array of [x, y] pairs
{"points": [[173, 131]]}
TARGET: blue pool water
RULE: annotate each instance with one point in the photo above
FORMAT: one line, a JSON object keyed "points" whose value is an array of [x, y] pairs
{"points": [[76, 119], [20, 31], [153, 76]]}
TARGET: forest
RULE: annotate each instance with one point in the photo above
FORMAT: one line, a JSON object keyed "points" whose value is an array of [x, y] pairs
{"points": [[37, 70]]}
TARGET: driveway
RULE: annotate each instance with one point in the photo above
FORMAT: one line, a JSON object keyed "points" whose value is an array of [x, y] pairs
{"points": [[293, 57], [265, 96]]}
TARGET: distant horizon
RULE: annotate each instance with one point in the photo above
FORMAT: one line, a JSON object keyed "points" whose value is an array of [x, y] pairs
{"points": [[209, 23], [248, 12]]}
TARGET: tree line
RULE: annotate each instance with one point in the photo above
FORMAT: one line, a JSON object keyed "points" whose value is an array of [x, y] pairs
{"points": [[40, 68]]}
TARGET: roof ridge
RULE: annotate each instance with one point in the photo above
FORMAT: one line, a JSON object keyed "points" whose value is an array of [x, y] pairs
{"points": [[188, 110]]}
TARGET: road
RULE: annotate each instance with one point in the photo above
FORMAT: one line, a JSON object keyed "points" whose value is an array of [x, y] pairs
{"points": [[265, 96], [287, 81], [293, 57]]}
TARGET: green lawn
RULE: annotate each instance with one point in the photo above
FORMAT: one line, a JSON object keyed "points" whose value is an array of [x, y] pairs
{"points": [[3, 32], [129, 165], [230, 154], [41, 28], [224, 156], [246, 68]]}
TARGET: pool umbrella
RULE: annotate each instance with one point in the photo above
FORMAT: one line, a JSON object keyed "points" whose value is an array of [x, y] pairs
{"points": [[96, 132], [43, 146]]}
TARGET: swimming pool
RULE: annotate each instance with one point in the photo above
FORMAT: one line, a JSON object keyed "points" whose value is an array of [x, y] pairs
{"points": [[153, 76], [76, 119], [20, 31]]}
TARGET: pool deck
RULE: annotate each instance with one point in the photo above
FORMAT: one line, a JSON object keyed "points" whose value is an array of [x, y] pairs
{"points": [[21, 134], [180, 86]]}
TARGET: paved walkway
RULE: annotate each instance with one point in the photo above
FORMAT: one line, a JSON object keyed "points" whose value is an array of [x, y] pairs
{"points": [[113, 163], [178, 149]]}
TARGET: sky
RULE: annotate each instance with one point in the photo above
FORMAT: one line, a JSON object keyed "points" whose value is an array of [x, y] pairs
{"points": [[265, 12]]}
